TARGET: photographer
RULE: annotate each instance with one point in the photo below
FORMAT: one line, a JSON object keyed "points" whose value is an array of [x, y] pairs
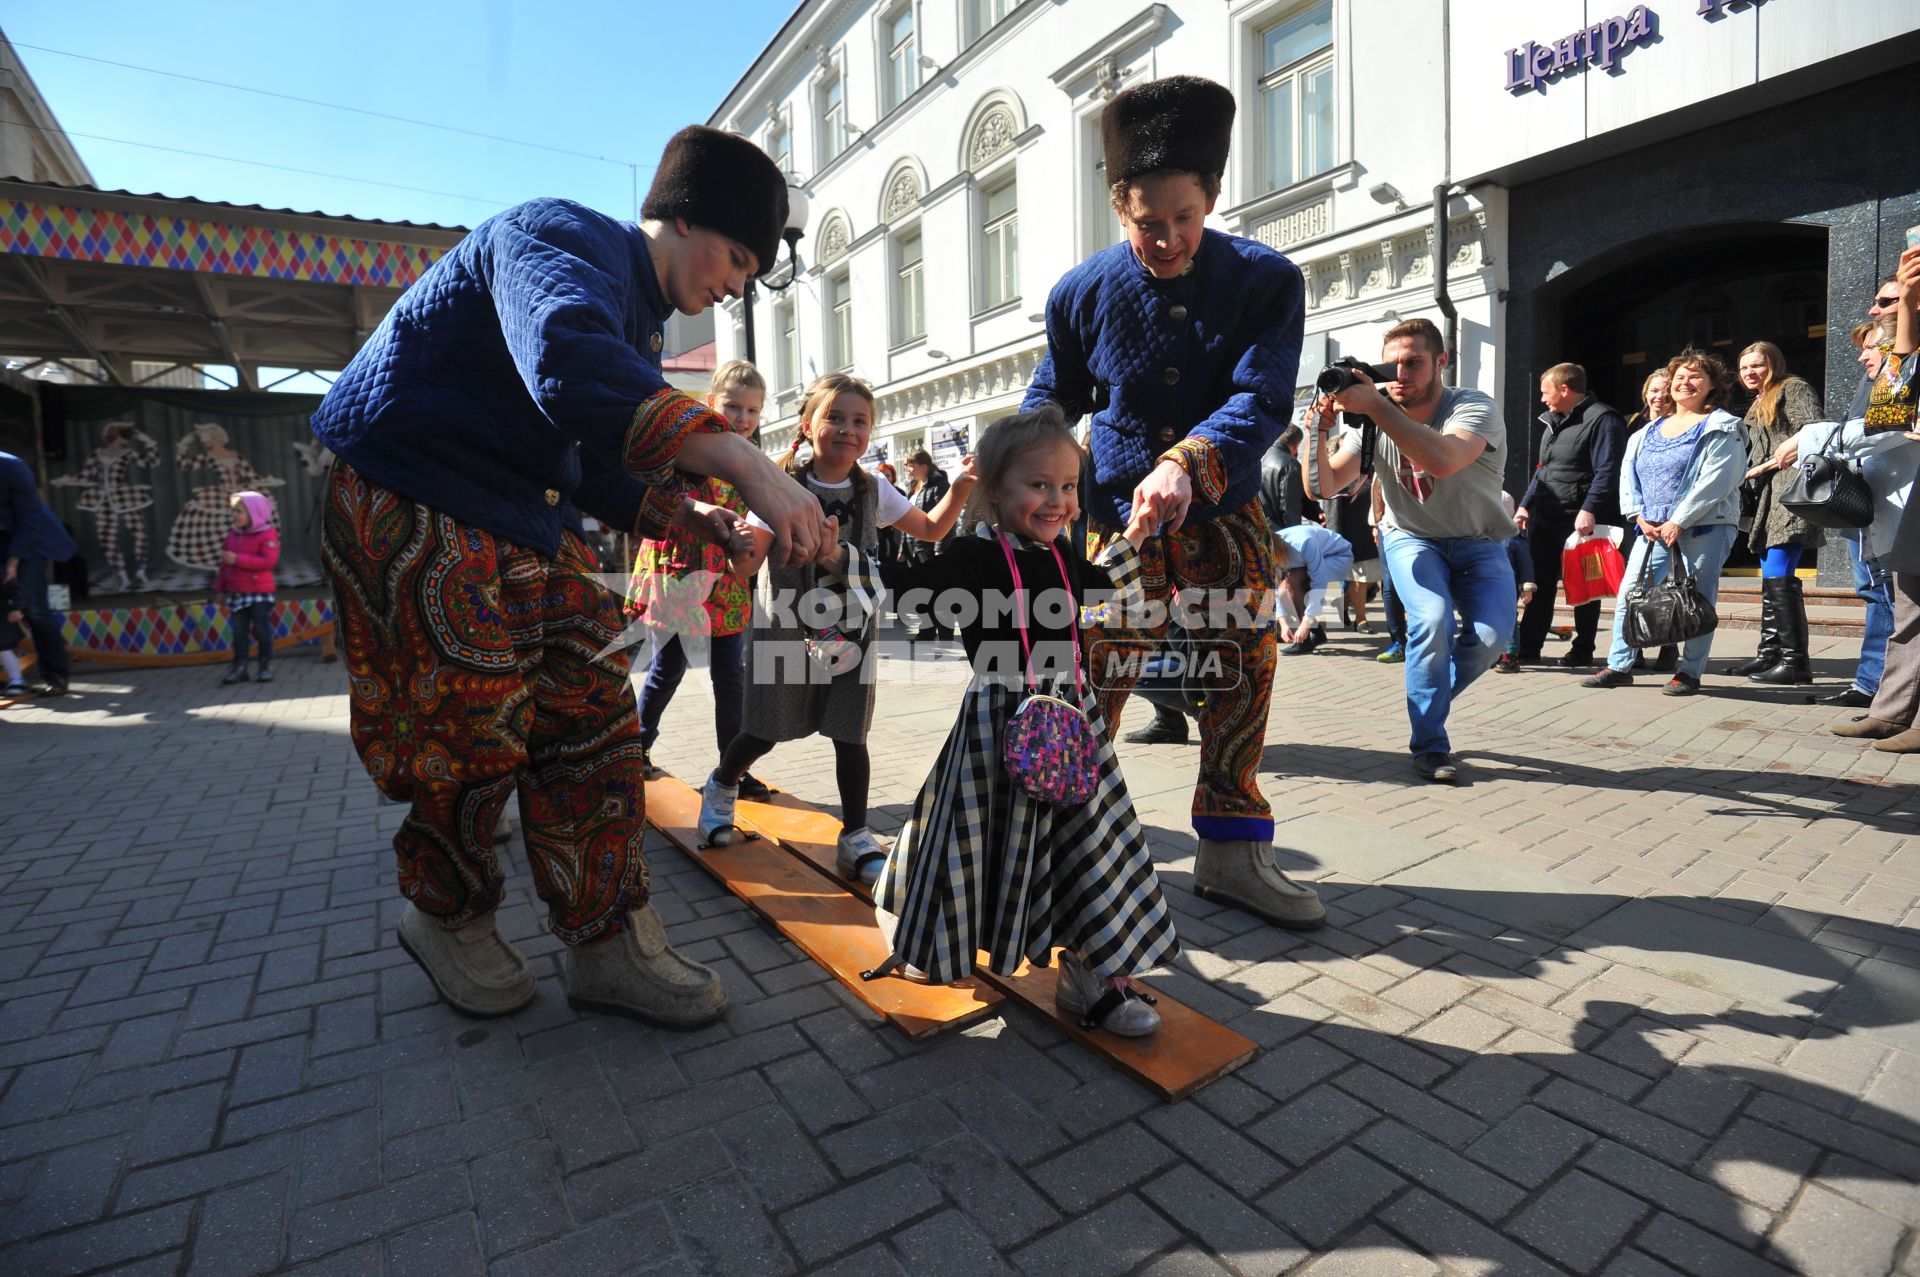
{"points": [[1437, 453]]}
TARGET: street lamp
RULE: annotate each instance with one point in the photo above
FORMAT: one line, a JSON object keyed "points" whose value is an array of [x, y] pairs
{"points": [[796, 228]]}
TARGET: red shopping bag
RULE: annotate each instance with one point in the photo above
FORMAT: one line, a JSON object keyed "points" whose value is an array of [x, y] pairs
{"points": [[1591, 568]]}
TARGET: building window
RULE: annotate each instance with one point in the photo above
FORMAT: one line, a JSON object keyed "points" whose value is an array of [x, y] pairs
{"points": [[984, 15], [787, 370], [833, 118], [1296, 91], [909, 290], [840, 321], [780, 144], [1000, 229], [902, 71], [1103, 224]]}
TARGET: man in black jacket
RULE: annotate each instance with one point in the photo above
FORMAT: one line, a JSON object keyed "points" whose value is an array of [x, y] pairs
{"points": [[1575, 486]]}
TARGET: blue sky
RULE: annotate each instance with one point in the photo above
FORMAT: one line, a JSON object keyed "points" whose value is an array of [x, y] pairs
{"points": [[601, 77]]}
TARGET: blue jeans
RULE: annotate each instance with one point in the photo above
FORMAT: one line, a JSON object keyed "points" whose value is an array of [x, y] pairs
{"points": [[1874, 583], [1434, 577], [49, 644], [726, 663], [1390, 604], [1705, 551]]}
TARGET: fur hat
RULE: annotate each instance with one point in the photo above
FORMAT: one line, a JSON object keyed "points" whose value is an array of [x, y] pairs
{"points": [[724, 183], [1182, 122]]}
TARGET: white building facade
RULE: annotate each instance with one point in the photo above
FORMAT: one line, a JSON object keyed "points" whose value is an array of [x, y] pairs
{"points": [[950, 150], [951, 153]]}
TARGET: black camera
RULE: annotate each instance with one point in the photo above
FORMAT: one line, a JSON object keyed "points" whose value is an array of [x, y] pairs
{"points": [[1339, 375]]}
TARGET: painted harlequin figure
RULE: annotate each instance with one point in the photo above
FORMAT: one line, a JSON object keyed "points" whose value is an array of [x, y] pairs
{"points": [[120, 507], [515, 385], [200, 529], [1182, 344]]}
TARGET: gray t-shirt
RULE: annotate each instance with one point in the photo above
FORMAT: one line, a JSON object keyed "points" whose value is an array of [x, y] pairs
{"points": [[1461, 505]]}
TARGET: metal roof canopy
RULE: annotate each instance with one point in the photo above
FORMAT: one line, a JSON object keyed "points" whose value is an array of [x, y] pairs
{"points": [[115, 277]]}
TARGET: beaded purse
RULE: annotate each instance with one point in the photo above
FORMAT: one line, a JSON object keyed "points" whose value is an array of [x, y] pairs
{"points": [[1049, 748]]}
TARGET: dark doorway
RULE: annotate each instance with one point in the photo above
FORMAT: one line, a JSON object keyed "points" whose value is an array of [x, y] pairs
{"points": [[1720, 289]]}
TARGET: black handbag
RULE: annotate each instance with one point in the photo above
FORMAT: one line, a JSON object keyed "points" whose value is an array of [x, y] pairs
{"points": [[1828, 491], [1669, 613]]}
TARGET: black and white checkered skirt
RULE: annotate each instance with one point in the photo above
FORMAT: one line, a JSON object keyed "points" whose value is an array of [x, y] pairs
{"points": [[981, 866]]}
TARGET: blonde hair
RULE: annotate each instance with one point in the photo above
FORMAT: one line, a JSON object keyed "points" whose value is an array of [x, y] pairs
{"points": [[1002, 444], [1766, 405], [1658, 374], [736, 372]]}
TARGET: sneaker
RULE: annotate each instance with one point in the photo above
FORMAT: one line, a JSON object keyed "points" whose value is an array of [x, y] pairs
{"points": [[265, 675], [1681, 684], [1608, 678], [716, 813], [1119, 1007], [238, 674], [17, 687], [754, 789], [859, 855], [1396, 654], [1437, 767], [1507, 663]]}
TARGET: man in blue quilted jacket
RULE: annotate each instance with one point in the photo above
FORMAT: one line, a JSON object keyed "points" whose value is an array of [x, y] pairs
{"points": [[1182, 343], [515, 384]]}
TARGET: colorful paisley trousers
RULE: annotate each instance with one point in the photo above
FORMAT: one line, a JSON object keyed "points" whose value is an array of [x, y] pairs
{"points": [[475, 671], [1228, 560]]}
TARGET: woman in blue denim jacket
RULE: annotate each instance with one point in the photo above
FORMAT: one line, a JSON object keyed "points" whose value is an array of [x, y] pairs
{"points": [[1680, 483]]}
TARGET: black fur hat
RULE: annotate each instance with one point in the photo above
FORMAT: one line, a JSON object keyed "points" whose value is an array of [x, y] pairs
{"points": [[1182, 122], [724, 183]]}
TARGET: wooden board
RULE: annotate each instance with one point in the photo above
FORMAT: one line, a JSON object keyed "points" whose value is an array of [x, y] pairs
{"points": [[830, 926], [1187, 1052], [805, 832]]}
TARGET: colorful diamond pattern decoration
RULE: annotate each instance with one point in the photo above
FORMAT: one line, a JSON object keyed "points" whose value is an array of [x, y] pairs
{"points": [[70, 233], [184, 630]]}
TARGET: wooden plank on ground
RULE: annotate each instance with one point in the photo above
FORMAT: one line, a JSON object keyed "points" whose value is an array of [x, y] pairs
{"points": [[830, 926], [1189, 1050], [806, 832]]}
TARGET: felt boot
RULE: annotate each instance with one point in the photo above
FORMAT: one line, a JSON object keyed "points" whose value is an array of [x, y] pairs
{"points": [[638, 973], [1790, 611], [473, 967], [1242, 873]]}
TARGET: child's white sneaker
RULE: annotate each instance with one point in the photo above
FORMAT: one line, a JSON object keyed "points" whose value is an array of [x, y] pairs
{"points": [[858, 855], [1119, 1009], [716, 812]]}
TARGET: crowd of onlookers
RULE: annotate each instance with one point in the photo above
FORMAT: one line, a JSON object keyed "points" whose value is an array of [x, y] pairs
{"points": [[1679, 479]]}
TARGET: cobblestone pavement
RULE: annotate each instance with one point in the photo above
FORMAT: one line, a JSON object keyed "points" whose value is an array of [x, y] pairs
{"points": [[1640, 997]]}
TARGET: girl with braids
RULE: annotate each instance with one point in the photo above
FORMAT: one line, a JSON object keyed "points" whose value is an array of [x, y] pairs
{"points": [[805, 678]]}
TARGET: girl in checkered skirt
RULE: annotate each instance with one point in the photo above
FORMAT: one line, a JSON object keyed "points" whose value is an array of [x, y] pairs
{"points": [[982, 866], [246, 578]]}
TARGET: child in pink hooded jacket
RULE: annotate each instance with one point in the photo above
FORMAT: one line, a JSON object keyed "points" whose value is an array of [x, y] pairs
{"points": [[246, 578]]}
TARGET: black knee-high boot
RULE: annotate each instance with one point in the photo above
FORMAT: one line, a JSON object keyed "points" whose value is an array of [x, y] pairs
{"points": [[1795, 664], [1769, 654]]}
